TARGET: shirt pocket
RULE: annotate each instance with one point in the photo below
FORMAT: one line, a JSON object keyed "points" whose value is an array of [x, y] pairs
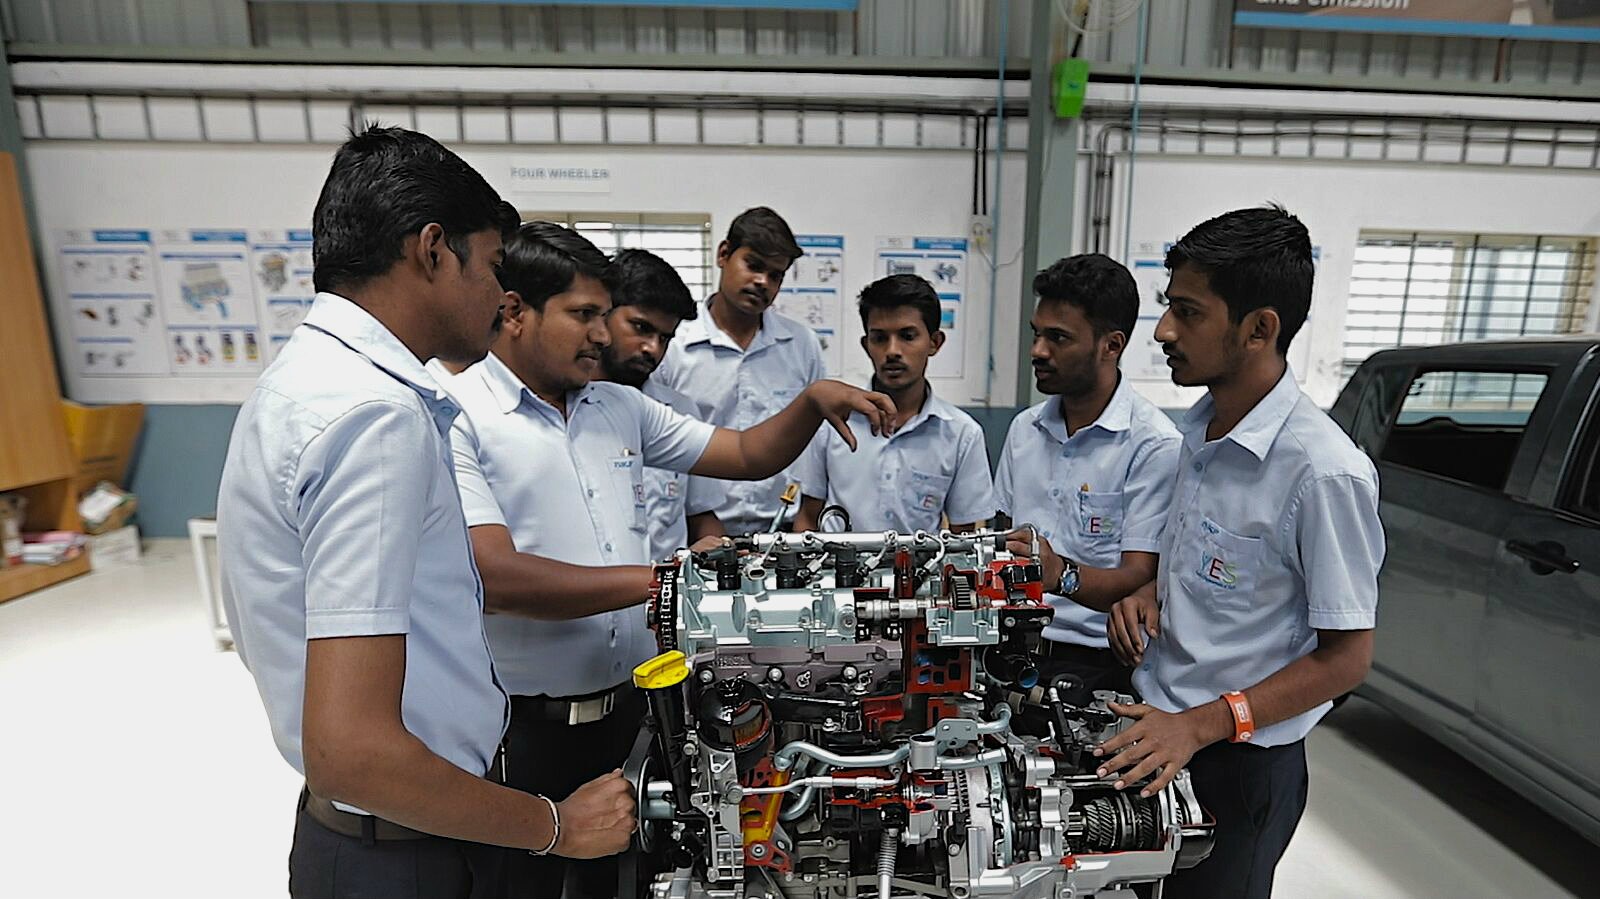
{"points": [[1226, 565], [627, 476], [1099, 518], [925, 496]]}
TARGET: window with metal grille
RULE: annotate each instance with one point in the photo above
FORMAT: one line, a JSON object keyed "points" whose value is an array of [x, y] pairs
{"points": [[1410, 288], [682, 239]]}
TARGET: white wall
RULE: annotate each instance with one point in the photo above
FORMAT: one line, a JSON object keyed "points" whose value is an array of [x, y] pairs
{"points": [[1336, 200], [861, 194]]}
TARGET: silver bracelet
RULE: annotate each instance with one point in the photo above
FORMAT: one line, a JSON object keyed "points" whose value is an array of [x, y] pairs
{"points": [[555, 826]]}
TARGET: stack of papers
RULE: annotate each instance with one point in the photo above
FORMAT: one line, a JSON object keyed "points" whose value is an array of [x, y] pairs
{"points": [[52, 547]]}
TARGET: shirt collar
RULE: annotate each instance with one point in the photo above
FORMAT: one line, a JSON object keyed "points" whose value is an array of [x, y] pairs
{"points": [[1116, 417], [1257, 431], [508, 390], [704, 329], [356, 328], [933, 406]]}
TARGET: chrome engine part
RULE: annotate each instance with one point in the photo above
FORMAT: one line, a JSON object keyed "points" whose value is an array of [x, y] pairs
{"points": [[832, 716]]}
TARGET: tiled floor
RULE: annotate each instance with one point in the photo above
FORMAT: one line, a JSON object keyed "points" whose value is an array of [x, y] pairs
{"points": [[137, 762]]}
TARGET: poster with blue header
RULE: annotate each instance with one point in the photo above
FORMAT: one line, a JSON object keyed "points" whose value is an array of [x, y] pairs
{"points": [[108, 276], [942, 262], [813, 294], [208, 299], [280, 264]]}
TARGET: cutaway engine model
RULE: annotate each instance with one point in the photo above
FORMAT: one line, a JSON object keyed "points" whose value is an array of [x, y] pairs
{"points": [[832, 715]]}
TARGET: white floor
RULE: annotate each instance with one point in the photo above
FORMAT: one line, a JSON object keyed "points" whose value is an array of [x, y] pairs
{"points": [[137, 762]]}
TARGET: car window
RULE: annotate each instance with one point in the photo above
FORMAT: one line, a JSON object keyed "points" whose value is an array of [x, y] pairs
{"points": [[1375, 405], [1464, 425]]}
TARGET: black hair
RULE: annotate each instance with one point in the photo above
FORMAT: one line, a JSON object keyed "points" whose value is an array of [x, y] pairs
{"points": [[386, 184], [544, 258], [765, 233], [1096, 284], [897, 291], [1254, 259], [641, 278]]}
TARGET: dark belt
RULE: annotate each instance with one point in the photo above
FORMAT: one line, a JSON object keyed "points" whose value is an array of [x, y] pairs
{"points": [[372, 828], [574, 710]]}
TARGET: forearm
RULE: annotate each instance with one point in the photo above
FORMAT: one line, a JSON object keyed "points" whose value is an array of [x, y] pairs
{"points": [[397, 778], [703, 525], [1102, 588], [1301, 685], [535, 587], [809, 515], [1305, 683], [767, 448]]}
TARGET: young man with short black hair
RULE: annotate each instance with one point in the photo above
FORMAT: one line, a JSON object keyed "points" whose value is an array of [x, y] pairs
{"points": [[346, 571], [935, 467], [1264, 607], [1090, 468], [742, 361], [550, 464], [648, 302]]}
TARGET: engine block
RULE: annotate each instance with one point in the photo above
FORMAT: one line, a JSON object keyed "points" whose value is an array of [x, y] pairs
{"points": [[840, 715]]}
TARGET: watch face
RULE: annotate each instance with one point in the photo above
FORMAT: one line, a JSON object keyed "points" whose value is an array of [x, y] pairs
{"points": [[1069, 581]]}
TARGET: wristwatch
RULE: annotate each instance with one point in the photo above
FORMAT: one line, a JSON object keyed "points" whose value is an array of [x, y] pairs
{"points": [[1069, 578]]}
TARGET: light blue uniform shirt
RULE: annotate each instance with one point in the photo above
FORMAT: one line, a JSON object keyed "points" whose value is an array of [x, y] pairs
{"points": [[338, 517], [1095, 495], [936, 465], [740, 388], [1273, 535], [570, 489], [670, 497]]}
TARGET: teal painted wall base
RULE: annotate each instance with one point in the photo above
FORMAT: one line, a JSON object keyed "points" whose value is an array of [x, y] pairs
{"points": [[178, 463]]}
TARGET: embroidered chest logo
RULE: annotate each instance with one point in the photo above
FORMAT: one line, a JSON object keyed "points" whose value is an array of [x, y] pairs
{"points": [[1214, 566]]}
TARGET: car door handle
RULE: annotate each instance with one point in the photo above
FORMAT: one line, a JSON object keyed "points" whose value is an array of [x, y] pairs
{"points": [[1544, 557]]}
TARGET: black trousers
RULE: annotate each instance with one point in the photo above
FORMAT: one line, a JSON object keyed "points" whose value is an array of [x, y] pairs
{"points": [[1256, 794], [328, 865], [553, 758]]}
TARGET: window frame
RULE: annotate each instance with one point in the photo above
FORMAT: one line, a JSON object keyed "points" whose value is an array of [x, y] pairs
{"points": [[1471, 290]]}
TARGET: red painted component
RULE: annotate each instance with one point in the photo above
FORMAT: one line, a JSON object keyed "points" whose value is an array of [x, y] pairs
{"points": [[931, 669]]}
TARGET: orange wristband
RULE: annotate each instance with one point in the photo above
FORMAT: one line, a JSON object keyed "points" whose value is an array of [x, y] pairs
{"points": [[1244, 721]]}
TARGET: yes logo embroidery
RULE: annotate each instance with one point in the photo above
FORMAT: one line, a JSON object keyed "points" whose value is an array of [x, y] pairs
{"points": [[1219, 571]]}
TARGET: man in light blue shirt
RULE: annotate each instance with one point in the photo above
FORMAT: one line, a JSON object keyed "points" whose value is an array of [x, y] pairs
{"points": [[1090, 469], [550, 466], [741, 362], [346, 571], [1264, 606], [648, 301], [935, 467]]}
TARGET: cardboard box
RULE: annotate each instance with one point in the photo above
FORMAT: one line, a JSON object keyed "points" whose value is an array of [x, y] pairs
{"points": [[103, 438], [114, 548]]}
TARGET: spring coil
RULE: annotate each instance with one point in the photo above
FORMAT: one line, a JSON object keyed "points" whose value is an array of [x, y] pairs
{"points": [[888, 846]]}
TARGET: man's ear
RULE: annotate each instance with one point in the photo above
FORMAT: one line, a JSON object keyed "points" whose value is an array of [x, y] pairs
{"points": [[1266, 327], [937, 339], [428, 249], [724, 253], [1116, 343], [511, 309]]}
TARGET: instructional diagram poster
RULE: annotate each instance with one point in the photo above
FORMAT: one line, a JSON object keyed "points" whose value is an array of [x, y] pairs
{"points": [[814, 294], [109, 280], [942, 261], [209, 301], [280, 263], [1143, 359]]}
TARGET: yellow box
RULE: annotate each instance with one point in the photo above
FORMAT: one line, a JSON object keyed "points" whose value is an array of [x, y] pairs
{"points": [[102, 439]]}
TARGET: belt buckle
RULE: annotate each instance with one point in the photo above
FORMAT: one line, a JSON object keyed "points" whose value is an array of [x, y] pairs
{"points": [[588, 711]]}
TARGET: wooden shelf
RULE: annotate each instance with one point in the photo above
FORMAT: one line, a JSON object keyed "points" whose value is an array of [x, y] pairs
{"points": [[21, 579]]}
